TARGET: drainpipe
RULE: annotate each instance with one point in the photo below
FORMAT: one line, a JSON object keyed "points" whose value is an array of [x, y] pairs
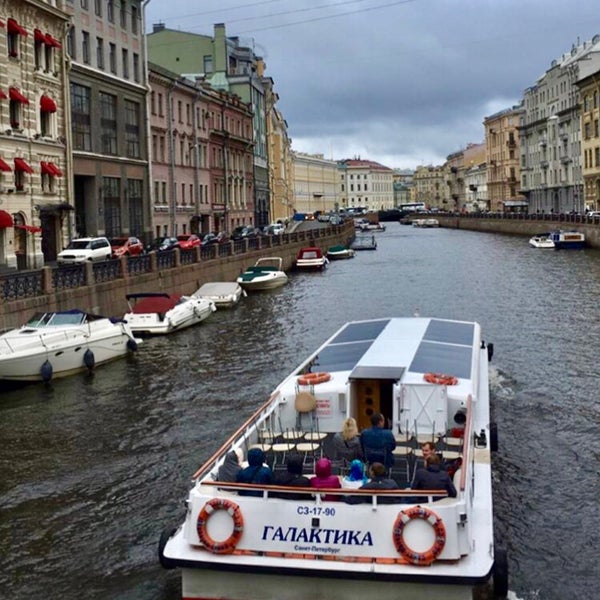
{"points": [[150, 191], [196, 154], [173, 203]]}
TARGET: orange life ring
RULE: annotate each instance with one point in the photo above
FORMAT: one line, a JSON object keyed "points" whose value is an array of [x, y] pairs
{"points": [[428, 556], [313, 378], [440, 379], [226, 546]]}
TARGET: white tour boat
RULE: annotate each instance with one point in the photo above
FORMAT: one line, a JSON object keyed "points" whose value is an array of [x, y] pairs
{"points": [[310, 259], [541, 240], [266, 274], [340, 252], [224, 294], [399, 543], [160, 313], [568, 239], [56, 344]]}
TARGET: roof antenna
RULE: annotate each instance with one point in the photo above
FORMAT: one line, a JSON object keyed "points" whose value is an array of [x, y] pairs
{"points": [[417, 312]]}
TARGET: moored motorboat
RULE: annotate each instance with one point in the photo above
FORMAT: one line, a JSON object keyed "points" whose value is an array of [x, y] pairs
{"points": [[161, 313], [224, 294], [267, 273], [310, 258], [567, 239], [238, 538], [340, 252], [364, 242], [541, 240], [61, 343], [425, 223]]}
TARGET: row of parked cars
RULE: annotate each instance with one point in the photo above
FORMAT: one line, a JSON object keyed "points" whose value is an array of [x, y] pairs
{"points": [[91, 249]]}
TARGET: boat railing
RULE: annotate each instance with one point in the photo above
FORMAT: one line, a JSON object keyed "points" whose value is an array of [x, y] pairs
{"points": [[404, 495], [42, 340], [467, 445]]}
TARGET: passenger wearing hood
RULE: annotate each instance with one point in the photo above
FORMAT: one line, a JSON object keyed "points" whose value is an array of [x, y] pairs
{"points": [[231, 466], [324, 479], [292, 477], [256, 472], [356, 476]]}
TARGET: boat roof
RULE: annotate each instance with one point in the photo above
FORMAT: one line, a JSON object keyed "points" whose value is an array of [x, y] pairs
{"points": [[401, 348], [153, 303]]}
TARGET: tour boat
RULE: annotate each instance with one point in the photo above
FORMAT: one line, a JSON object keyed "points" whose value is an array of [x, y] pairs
{"points": [[56, 344], [567, 239], [224, 294], [340, 253], [429, 377], [310, 258], [541, 240], [266, 274], [160, 313]]}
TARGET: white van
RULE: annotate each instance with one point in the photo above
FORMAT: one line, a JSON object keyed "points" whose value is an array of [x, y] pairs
{"points": [[85, 249]]}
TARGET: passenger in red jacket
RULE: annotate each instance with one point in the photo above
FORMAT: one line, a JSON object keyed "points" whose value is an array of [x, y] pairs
{"points": [[324, 478]]}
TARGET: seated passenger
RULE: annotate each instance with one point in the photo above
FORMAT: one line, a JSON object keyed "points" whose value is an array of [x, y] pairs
{"points": [[346, 443], [293, 477], [324, 478], [255, 472], [378, 442], [356, 476], [231, 466], [379, 481], [433, 477]]}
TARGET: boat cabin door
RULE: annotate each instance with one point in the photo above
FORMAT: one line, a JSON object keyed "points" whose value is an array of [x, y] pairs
{"points": [[373, 396]]}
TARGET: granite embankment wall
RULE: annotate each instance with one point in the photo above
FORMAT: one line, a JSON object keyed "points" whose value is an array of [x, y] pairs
{"points": [[527, 226], [108, 298]]}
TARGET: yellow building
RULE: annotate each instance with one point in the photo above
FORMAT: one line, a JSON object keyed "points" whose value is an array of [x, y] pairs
{"points": [[429, 186], [315, 183]]}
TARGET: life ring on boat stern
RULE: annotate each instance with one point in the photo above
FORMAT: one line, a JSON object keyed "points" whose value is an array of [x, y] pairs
{"points": [[313, 378], [228, 545], [440, 379], [429, 555]]}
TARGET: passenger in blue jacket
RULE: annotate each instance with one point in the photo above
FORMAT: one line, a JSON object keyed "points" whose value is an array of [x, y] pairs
{"points": [[378, 442], [255, 472], [433, 477]]}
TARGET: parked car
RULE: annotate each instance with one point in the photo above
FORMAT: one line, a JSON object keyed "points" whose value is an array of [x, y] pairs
{"points": [[188, 241], [163, 243], [276, 229], [126, 246], [243, 232], [85, 249], [593, 213], [215, 238]]}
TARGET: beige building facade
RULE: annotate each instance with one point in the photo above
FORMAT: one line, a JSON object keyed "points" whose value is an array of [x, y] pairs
{"points": [[365, 184], [429, 185], [315, 183]]}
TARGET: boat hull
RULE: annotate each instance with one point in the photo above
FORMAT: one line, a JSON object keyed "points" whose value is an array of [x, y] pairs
{"points": [[264, 283]]}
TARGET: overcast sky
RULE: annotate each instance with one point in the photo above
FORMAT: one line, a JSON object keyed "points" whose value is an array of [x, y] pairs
{"points": [[404, 83]]}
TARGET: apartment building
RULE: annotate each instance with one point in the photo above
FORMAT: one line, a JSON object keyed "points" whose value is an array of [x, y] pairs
{"points": [[365, 184], [315, 183], [455, 180], [110, 125], [228, 66], [430, 186], [35, 208]]}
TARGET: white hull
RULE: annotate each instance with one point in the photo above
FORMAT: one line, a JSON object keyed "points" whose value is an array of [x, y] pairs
{"points": [[223, 294], [266, 274], [306, 548], [23, 352], [267, 282], [541, 242], [186, 314], [311, 263]]}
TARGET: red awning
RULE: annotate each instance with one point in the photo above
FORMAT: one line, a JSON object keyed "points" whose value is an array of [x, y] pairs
{"points": [[39, 37], [50, 41], [21, 165], [2, 24], [4, 166], [3, 95], [14, 27], [47, 104], [49, 168], [29, 228], [6, 219], [56, 170], [16, 95]]}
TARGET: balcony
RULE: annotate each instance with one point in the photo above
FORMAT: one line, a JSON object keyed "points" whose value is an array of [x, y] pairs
{"points": [[564, 137], [544, 164], [565, 160], [511, 143]]}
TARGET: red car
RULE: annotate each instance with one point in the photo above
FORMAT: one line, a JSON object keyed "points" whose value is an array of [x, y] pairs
{"points": [[126, 246], [188, 241]]}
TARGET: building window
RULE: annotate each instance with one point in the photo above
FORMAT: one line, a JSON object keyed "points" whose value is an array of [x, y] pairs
{"points": [[85, 47], [47, 109], [134, 19], [98, 7], [134, 198], [136, 67], [71, 43], [80, 115], [153, 102], [132, 128], [100, 53], [110, 11], [85, 4], [208, 64], [112, 58], [160, 105], [112, 206], [125, 61], [14, 31], [108, 123], [123, 14]]}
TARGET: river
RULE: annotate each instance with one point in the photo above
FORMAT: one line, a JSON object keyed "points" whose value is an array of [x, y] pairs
{"points": [[95, 466]]}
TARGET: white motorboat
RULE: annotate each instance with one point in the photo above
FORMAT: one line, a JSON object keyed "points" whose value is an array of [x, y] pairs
{"points": [[266, 274], [426, 223], [56, 344], [160, 313], [380, 543], [567, 239], [340, 252], [364, 242], [310, 259], [541, 240], [224, 294]]}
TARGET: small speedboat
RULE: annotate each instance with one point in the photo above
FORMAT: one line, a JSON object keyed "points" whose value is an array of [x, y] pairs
{"points": [[310, 258], [160, 313], [541, 240], [224, 294], [267, 273], [56, 344], [340, 252]]}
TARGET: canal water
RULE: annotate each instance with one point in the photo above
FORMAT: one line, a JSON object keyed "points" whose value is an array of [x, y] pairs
{"points": [[94, 467]]}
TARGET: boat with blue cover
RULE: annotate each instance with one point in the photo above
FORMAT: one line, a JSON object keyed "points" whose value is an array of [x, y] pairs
{"points": [[267, 273]]}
